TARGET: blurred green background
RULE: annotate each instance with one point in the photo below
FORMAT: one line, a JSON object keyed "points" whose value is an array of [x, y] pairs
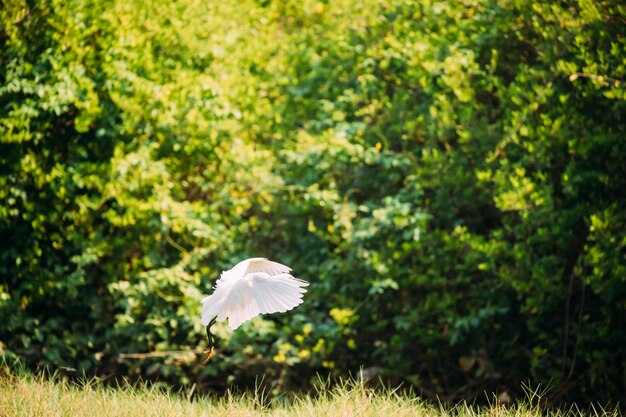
{"points": [[450, 176]]}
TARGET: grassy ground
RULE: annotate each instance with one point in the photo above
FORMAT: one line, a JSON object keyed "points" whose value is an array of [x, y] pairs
{"points": [[34, 396]]}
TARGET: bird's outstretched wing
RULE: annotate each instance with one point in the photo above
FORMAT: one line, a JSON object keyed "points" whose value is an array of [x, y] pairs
{"points": [[251, 265], [259, 293], [277, 293], [269, 267]]}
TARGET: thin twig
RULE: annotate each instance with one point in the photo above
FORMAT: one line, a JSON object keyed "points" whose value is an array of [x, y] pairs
{"points": [[157, 354]]}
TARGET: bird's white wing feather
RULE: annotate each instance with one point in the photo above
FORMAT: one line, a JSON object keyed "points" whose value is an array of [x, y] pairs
{"points": [[231, 300], [277, 293], [257, 293], [236, 272], [269, 267], [251, 265]]}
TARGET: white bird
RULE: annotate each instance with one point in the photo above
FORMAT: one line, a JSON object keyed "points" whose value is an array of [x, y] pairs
{"points": [[252, 287]]}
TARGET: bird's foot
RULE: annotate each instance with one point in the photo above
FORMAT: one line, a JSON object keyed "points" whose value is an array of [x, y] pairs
{"points": [[210, 352]]}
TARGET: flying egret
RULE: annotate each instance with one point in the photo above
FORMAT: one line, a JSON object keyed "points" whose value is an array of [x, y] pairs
{"points": [[252, 287]]}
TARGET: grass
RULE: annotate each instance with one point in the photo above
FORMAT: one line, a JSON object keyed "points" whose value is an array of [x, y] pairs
{"points": [[27, 395]]}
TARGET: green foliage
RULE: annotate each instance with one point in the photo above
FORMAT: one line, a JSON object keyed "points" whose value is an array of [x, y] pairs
{"points": [[448, 175]]}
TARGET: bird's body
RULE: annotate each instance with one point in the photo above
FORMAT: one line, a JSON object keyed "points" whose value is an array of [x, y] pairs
{"points": [[252, 287]]}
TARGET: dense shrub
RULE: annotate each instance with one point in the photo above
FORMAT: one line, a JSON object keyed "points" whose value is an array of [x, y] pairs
{"points": [[448, 175]]}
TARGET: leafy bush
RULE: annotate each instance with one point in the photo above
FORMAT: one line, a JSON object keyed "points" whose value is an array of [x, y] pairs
{"points": [[448, 175]]}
